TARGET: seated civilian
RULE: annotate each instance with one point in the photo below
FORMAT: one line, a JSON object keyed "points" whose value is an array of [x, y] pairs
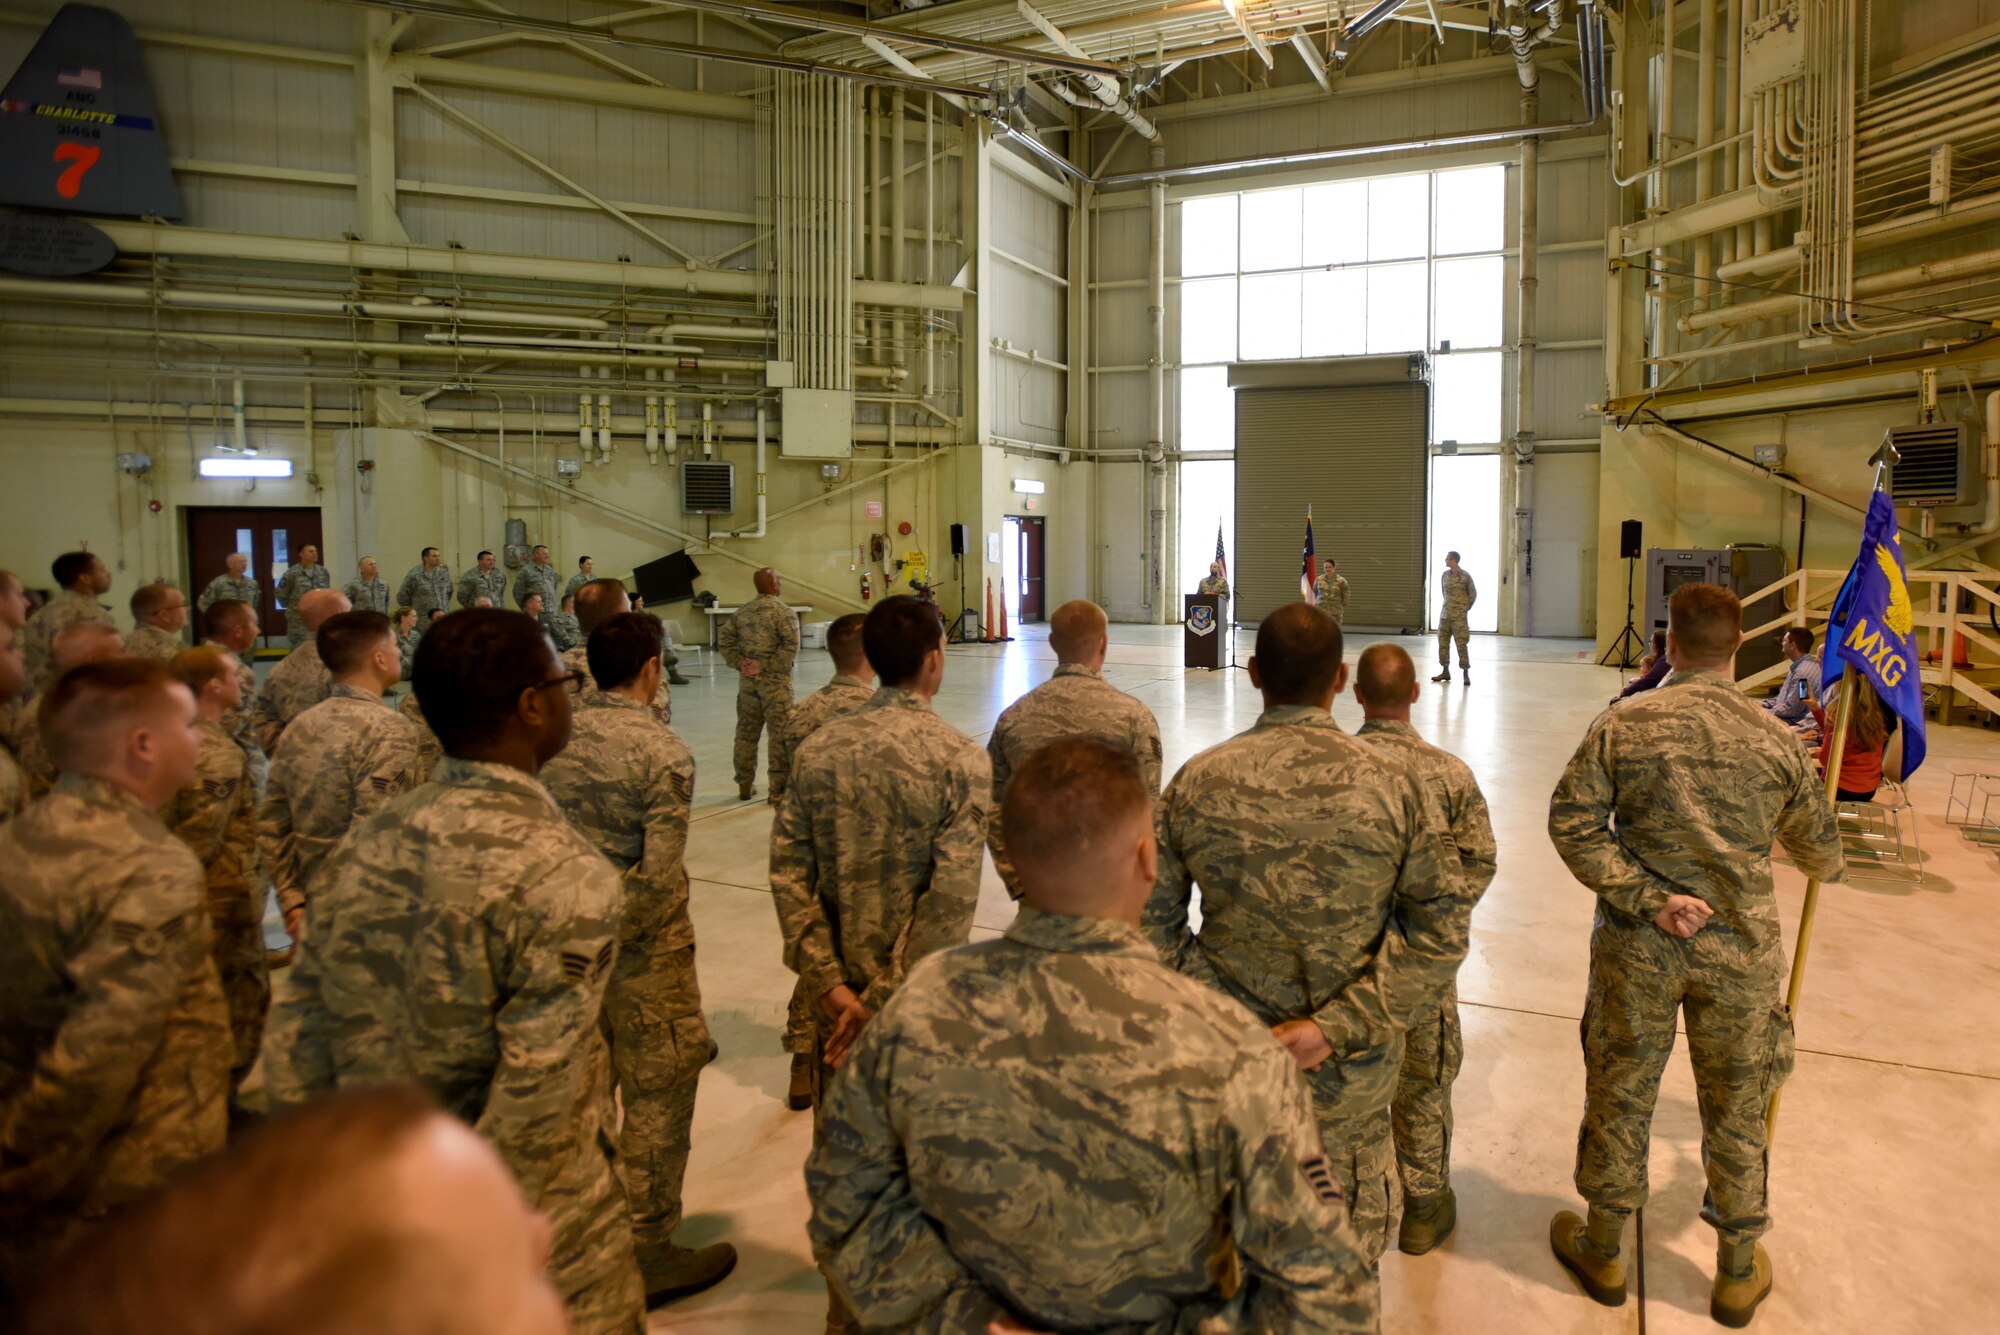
{"points": [[1866, 758], [1794, 701], [1654, 669]]}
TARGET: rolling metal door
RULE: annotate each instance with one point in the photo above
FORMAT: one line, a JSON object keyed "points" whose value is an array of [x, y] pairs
{"points": [[1358, 455]]}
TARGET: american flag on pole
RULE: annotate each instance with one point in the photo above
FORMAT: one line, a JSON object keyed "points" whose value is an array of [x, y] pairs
{"points": [[1220, 559], [1306, 569]]}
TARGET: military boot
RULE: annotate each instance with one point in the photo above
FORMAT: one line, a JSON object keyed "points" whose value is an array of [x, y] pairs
{"points": [[1427, 1221], [1742, 1280], [1589, 1250], [1443, 676], [799, 1093], [674, 676], [671, 1271], [745, 791]]}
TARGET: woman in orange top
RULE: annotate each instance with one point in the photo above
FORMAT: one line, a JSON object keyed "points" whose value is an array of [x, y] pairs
{"points": [[1869, 730]]}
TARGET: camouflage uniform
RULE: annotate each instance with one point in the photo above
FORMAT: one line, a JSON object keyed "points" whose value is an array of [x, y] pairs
{"points": [[475, 584], [1434, 1048], [628, 785], [1214, 584], [1138, 1136], [1075, 702], [150, 644], [576, 581], [578, 660], [37, 639], [876, 849], [842, 695], [427, 590], [368, 595], [463, 940], [217, 818], [229, 587], [114, 1042], [1331, 591], [1698, 780], [343, 760], [241, 723], [13, 787], [544, 580], [298, 683], [1459, 596], [564, 629], [1327, 893], [768, 631], [429, 749], [38, 768], [406, 647], [299, 581]]}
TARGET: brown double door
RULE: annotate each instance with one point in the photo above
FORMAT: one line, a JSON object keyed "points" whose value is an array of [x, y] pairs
{"points": [[272, 537]]}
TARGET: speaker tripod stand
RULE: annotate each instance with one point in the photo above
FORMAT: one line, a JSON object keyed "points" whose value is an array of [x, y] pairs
{"points": [[1628, 646]]}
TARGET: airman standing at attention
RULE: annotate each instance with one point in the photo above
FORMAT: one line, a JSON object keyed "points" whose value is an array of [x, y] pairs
{"points": [[1331, 904], [301, 578], [1668, 811], [479, 868], [1459, 596], [881, 832], [114, 1041], [1055, 1131], [1385, 683], [406, 637], [485, 580], [368, 591], [1331, 590], [1075, 702], [853, 685], [586, 571], [628, 785], [538, 576], [301, 680], [216, 816], [232, 627], [338, 763], [596, 603], [762, 642], [234, 585], [427, 586], [82, 579], [159, 611], [78, 643]]}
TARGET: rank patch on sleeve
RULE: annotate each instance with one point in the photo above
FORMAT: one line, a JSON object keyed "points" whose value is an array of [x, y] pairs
{"points": [[683, 787], [390, 783], [1319, 1176], [583, 967], [219, 789]]}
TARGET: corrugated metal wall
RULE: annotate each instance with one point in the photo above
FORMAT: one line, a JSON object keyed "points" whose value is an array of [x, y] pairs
{"points": [[1029, 232], [1356, 455]]}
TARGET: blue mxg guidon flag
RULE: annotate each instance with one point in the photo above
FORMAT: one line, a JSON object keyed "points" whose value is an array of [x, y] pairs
{"points": [[1873, 628]]}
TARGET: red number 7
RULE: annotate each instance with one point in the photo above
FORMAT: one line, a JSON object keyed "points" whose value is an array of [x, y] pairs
{"points": [[70, 183]]}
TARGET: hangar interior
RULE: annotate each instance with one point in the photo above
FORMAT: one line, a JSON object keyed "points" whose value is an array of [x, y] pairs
{"points": [[1034, 300]]}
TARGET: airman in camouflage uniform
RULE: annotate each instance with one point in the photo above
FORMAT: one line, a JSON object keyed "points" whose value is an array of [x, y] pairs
{"points": [[301, 578], [235, 624], [79, 643], [429, 750], [216, 817], [627, 784], [114, 1042], [586, 571], [1146, 1157], [83, 579], [485, 580], [1434, 1048], [340, 762], [1459, 596], [463, 939], [301, 680], [1075, 702], [1216, 584], [368, 591], [762, 642], [564, 628], [1331, 591], [1667, 811], [853, 685], [596, 603], [426, 586], [538, 576], [1330, 902], [407, 636], [159, 611], [234, 586]]}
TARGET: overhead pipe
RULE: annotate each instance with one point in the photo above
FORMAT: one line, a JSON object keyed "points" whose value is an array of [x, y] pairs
{"points": [[707, 430], [460, 339], [241, 431], [584, 439], [1976, 264], [1113, 103], [412, 312], [652, 417], [603, 418], [1156, 394], [763, 502]]}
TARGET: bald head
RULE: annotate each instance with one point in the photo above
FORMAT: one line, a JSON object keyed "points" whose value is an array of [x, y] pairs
{"points": [[320, 604], [1298, 657], [600, 600], [1385, 682], [767, 582], [85, 642], [1079, 633], [1078, 824]]}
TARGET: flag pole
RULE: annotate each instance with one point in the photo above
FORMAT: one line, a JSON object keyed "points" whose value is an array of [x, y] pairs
{"points": [[1836, 752]]}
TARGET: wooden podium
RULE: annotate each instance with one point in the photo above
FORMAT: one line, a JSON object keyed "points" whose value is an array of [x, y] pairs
{"points": [[1204, 631]]}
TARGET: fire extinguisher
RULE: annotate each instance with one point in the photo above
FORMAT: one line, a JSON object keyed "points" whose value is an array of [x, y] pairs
{"points": [[867, 591]]}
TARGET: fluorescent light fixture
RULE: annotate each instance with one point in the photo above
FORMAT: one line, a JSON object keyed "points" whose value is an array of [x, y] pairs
{"points": [[244, 467], [1027, 486]]}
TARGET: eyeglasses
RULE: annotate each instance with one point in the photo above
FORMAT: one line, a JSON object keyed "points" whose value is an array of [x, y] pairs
{"points": [[574, 679]]}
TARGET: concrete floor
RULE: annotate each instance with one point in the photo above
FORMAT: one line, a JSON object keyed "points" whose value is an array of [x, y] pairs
{"points": [[1887, 1154]]}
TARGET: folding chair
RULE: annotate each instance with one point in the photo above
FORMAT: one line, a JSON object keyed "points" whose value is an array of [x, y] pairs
{"points": [[1883, 832]]}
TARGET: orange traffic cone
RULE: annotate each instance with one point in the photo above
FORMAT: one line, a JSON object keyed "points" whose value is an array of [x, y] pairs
{"points": [[1003, 612], [986, 626]]}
